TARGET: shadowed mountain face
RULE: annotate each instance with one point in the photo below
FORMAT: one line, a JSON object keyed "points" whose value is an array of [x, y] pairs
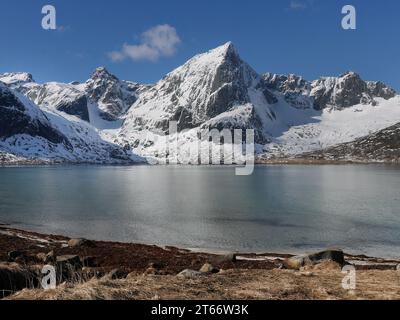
{"points": [[19, 118], [213, 90]]}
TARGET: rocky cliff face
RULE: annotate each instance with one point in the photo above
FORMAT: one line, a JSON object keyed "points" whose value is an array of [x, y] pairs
{"points": [[295, 89], [334, 93], [67, 98], [113, 96], [346, 91], [19, 116]]}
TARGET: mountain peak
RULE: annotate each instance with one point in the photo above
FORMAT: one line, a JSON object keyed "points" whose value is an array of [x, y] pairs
{"points": [[228, 46], [102, 72], [226, 50], [350, 74]]}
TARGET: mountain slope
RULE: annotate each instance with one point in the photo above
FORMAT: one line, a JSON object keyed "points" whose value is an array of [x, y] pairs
{"points": [[20, 116], [382, 146], [32, 133]]}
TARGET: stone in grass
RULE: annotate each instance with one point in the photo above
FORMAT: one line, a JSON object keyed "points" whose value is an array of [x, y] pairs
{"points": [[298, 262], [209, 268], [190, 274]]}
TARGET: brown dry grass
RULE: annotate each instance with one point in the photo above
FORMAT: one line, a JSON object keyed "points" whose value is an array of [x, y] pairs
{"points": [[232, 284]]}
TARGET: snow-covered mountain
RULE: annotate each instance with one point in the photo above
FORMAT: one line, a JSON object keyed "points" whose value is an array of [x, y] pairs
{"points": [[213, 90], [43, 134]]}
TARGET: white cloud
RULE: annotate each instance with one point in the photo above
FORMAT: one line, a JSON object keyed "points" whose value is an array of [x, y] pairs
{"points": [[159, 41]]}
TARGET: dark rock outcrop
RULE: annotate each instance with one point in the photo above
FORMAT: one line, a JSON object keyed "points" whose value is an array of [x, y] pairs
{"points": [[295, 89], [333, 255], [113, 96], [77, 107], [19, 118], [346, 91]]}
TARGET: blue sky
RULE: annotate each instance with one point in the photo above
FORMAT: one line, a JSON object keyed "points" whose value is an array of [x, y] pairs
{"points": [[281, 36]]}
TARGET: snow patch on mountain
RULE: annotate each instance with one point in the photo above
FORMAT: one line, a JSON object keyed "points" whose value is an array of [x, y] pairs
{"points": [[327, 128]]}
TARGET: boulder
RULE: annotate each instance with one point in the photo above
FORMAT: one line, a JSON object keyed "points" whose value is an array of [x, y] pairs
{"points": [[190, 274], [297, 262], [208, 268]]}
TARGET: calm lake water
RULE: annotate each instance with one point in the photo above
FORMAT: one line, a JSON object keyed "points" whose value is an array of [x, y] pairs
{"points": [[277, 209]]}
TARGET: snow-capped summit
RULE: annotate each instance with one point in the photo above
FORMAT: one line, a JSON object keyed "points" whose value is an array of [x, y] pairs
{"points": [[206, 86], [103, 73]]}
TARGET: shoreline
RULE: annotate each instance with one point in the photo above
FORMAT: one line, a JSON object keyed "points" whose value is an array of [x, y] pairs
{"points": [[20, 228], [153, 272], [41, 237], [22, 162]]}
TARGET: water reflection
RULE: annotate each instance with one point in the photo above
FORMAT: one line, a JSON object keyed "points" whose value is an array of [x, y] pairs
{"points": [[278, 208]]}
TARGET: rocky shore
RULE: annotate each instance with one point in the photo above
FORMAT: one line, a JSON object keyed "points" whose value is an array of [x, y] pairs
{"points": [[88, 269]]}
